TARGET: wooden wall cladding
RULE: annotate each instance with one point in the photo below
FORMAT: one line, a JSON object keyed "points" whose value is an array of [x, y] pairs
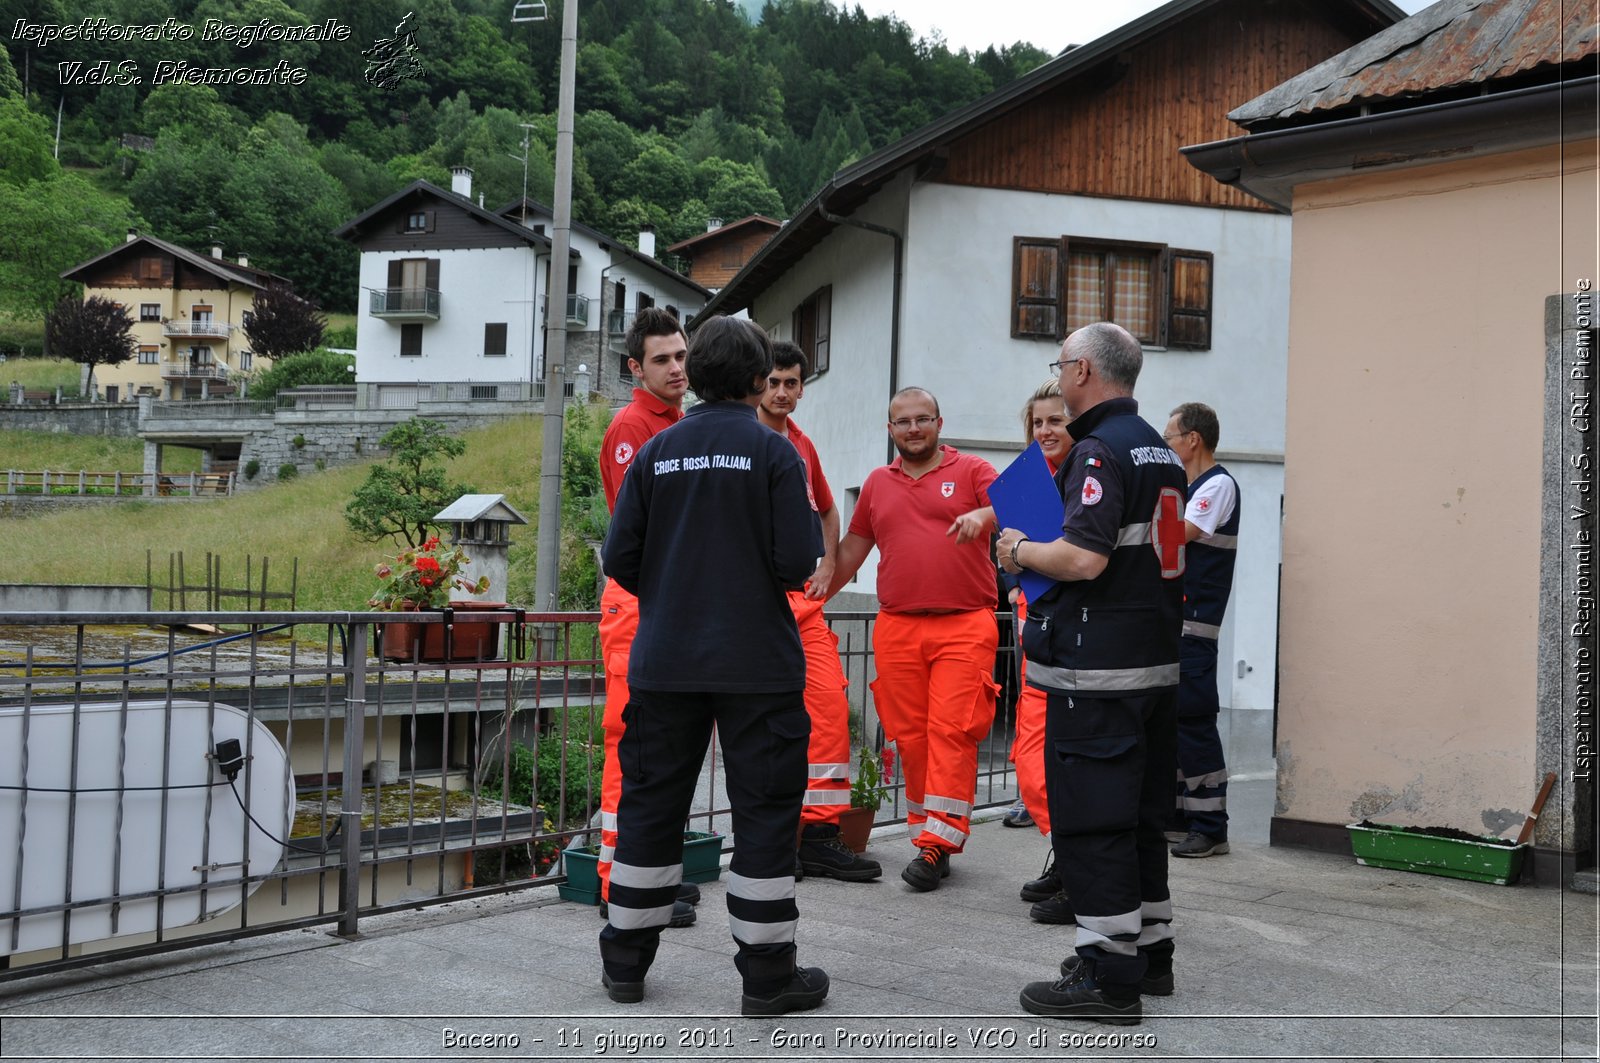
{"points": [[1115, 130]]}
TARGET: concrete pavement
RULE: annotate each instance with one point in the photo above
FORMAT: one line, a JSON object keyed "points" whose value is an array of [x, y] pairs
{"points": [[1282, 954]]}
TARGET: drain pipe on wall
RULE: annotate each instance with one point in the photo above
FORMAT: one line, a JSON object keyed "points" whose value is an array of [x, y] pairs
{"points": [[899, 271]]}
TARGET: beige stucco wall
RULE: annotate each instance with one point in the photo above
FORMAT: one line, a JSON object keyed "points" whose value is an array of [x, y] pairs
{"points": [[1413, 479], [228, 308]]}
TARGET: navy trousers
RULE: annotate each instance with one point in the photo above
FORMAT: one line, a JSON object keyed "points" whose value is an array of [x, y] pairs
{"points": [[764, 738], [1108, 777], [1202, 783]]}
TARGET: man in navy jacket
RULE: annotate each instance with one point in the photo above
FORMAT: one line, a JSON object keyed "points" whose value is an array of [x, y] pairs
{"points": [[712, 528]]}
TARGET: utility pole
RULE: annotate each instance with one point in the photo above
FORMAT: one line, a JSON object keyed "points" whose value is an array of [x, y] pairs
{"points": [[547, 574]]}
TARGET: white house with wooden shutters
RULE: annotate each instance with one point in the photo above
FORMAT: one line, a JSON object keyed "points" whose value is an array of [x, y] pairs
{"points": [[957, 258], [454, 294]]}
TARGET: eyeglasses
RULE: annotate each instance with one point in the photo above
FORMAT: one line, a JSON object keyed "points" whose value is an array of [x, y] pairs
{"points": [[904, 424], [1055, 367], [1175, 435]]}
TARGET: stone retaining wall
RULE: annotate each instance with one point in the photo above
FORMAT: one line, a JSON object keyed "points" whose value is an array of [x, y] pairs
{"points": [[75, 418]]}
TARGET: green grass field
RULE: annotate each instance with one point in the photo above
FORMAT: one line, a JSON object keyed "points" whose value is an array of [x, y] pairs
{"points": [[302, 519], [42, 374], [62, 452]]}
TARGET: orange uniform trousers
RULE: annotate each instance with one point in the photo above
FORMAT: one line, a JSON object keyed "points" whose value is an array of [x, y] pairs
{"points": [[619, 620], [1027, 745], [828, 753], [935, 694]]}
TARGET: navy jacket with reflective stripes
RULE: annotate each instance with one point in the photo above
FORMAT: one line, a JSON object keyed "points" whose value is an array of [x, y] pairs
{"points": [[1209, 576], [1117, 634]]}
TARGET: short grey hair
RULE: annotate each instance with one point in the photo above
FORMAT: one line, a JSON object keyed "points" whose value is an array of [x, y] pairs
{"points": [[1112, 350]]}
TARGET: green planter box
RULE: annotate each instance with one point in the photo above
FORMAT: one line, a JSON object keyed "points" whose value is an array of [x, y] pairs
{"points": [[1403, 850], [702, 862]]}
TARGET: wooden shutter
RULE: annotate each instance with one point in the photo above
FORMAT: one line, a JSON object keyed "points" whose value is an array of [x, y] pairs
{"points": [[1036, 288], [1189, 300], [494, 338], [433, 274], [824, 329], [395, 280], [430, 216], [410, 340]]}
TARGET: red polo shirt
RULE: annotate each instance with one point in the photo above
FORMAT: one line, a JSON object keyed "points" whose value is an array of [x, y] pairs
{"points": [[919, 566], [629, 430], [816, 483]]}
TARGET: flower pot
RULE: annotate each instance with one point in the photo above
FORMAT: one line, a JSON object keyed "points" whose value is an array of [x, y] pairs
{"points": [[702, 862], [1489, 860], [424, 643], [583, 876], [855, 827]]}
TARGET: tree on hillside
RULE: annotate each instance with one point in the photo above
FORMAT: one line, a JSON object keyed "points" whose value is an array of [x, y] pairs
{"points": [[92, 332], [401, 495], [282, 323], [26, 151], [51, 226]]}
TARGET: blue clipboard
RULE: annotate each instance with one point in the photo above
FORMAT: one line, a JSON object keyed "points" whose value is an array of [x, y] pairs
{"points": [[1024, 497]]}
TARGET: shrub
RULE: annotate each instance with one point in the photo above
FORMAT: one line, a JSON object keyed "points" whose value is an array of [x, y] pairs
{"points": [[251, 469], [299, 442], [585, 760], [288, 471]]}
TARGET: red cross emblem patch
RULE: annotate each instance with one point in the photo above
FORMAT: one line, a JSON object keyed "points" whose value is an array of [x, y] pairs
{"points": [[623, 453], [1166, 532], [1092, 491], [947, 488], [1201, 505]]}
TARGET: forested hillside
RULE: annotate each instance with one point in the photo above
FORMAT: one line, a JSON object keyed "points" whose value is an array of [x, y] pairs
{"points": [[687, 109]]}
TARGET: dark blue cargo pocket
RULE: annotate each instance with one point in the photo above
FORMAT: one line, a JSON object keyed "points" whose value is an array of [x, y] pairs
{"points": [[630, 750], [1098, 778], [788, 738]]}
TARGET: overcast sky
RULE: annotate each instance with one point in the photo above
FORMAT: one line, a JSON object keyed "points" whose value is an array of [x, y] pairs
{"points": [[976, 24]]}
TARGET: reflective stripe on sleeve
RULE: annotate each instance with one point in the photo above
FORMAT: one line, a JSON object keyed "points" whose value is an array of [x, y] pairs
{"points": [[1195, 629]]}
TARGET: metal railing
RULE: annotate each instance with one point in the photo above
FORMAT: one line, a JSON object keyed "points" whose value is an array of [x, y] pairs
{"points": [[226, 409], [173, 779], [182, 328], [112, 484], [188, 369], [404, 301]]}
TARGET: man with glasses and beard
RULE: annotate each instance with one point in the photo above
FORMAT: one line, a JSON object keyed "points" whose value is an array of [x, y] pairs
{"points": [[935, 637]]}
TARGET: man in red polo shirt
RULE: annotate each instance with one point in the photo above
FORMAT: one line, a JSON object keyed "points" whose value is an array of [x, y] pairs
{"points": [[656, 349], [935, 637], [828, 752]]}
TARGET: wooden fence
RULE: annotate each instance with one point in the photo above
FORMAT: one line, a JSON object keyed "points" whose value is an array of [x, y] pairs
{"points": [[210, 595], [119, 484]]}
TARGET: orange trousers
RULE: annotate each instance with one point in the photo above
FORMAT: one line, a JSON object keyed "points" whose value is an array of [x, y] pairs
{"points": [[935, 694], [1027, 744], [828, 754], [619, 620]]}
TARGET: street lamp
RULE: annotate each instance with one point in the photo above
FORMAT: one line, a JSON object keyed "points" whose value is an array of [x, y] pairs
{"points": [[547, 572]]}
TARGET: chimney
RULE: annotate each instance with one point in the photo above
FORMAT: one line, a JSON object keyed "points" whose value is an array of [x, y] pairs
{"points": [[244, 260], [216, 250], [647, 241], [133, 234], [713, 224], [461, 181]]}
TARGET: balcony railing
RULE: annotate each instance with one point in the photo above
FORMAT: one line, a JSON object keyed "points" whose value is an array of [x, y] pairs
{"points": [[577, 310], [418, 303], [617, 321], [183, 328], [185, 369]]}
